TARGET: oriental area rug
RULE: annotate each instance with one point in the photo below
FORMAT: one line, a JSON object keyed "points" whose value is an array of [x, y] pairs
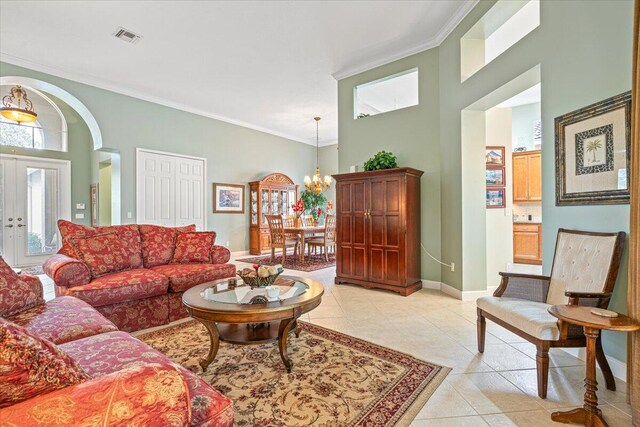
{"points": [[311, 263], [336, 380]]}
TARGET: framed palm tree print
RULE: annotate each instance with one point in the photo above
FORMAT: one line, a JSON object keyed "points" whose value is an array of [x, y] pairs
{"points": [[593, 153]]}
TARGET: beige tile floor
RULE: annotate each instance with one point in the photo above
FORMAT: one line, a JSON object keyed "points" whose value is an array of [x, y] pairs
{"points": [[497, 388]]}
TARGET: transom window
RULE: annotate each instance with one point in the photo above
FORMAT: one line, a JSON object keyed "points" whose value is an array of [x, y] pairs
{"points": [[49, 132]]}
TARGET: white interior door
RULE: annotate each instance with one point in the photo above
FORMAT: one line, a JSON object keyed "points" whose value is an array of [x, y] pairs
{"points": [[35, 194], [170, 189]]}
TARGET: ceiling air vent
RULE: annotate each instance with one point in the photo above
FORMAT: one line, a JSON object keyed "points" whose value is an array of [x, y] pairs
{"points": [[126, 35]]}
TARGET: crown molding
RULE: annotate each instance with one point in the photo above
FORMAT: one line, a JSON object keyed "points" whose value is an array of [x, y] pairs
{"points": [[435, 41], [114, 87]]}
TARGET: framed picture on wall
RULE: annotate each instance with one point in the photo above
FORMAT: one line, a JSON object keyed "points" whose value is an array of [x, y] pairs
{"points": [[593, 147], [495, 176], [93, 189], [495, 198], [228, 198], [494, 155]]}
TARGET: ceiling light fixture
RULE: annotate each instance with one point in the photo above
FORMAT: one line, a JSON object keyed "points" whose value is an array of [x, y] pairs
{"points": [[17, 107], [317, 184]]}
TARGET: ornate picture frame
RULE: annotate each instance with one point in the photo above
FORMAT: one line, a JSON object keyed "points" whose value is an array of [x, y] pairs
{"points": [[495, 176], [496, 198], [228, 198], [494, 155], [593, 153]]}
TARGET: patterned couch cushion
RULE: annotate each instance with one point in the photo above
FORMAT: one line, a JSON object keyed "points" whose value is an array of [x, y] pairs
{"points": [[31, 366], [185, 276], [17, 294], [149, 395], [193, 247], [106, 353], [158, 243], [123, 286], [129, 235], [103, 253], [63, 319], [209, 407], [130, 316]]}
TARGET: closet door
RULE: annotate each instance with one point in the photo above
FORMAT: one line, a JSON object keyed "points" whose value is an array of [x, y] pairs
{"points": [[170, 190], [351, 229]]}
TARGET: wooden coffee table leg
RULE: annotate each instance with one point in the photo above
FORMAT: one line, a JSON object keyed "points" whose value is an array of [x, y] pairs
{"points": [[283, 335], [589, 415], [297, 329], [214, 338]]}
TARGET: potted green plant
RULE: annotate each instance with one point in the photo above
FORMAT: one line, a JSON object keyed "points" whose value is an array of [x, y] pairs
{"points": [[382, 160], [313, 203]]}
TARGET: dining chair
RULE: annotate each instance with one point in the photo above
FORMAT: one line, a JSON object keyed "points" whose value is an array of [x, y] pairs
{"points": [[584, 271], [279, 239], [328, 238], [307, 221]]}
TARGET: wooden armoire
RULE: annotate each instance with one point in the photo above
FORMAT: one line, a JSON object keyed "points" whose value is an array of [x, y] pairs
{"points": [[378, 229], [272, 195]]}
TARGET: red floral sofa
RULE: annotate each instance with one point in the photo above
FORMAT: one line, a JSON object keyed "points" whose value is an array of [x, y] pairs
{"points": [[62, 363], [148, 291]]}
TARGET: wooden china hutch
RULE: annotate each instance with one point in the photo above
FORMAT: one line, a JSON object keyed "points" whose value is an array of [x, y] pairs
{"points": [[378, 229], [273, 195]]}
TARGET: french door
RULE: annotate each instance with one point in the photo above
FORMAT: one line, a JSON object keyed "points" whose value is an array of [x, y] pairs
{"points": [[34, 194]]}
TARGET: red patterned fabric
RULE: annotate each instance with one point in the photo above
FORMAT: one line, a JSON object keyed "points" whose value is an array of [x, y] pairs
{"points": [[220, 255], [103, 253], [67, 271], [209, 407], [158, 243], [132, 316], [185, 276], [193, 247], [16, 295], [31, 366], [106, 353], [34, 282], [149, 395], [123, 286], [63, 319], [128, 234], [176, 308]]}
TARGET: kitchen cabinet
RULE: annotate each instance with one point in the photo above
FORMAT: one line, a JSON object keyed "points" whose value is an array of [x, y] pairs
{"points": [[527, 243], [527, 176]]}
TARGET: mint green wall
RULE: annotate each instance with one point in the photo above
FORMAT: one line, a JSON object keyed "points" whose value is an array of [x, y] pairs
{"points": [[522, 118], [412, 134], [328, 162], [79, 145], [579, 66], [234, 154]]}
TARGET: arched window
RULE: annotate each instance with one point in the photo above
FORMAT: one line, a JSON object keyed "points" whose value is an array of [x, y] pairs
{"points": [[49, 132]]}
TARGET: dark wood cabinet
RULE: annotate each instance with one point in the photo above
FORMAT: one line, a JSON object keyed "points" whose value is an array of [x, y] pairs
{"points": [[378, 229]]}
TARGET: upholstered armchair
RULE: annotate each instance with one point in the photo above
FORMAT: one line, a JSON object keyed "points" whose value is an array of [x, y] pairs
{"points": [[584, 272]]}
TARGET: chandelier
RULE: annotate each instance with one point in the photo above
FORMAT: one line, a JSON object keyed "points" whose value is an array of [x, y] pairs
{"points": [[13, 108], [317, 184]]}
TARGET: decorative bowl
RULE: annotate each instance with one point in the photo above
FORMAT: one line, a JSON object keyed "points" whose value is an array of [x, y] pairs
{"points": [[255, 281]]}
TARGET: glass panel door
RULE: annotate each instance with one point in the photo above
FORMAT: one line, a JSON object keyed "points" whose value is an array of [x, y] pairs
{"points": [[42, 211]]}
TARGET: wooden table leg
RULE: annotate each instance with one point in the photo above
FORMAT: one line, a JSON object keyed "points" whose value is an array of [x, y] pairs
{"points": [[214, 343], [589, 415], [283, 335], [302, 243]]}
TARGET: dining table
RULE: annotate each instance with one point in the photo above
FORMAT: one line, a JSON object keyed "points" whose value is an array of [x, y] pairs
{"points": [[303, 232]]}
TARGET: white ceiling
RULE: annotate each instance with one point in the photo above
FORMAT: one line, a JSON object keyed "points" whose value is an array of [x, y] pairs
{"points": [[268, 65]]}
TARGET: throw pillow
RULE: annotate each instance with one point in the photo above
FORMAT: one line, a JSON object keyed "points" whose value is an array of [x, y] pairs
{"points": [[193, 247], [103, 253], [158, 243], [129, 235], [31, 366], [16, 295]]}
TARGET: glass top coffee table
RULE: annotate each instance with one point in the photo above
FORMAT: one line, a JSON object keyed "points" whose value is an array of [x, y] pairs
{"points": [[249, 316]]}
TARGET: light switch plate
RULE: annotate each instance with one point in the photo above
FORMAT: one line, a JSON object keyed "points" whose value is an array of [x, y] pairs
{"points": [[80, 206], [79, 216], [129, 215], [353, 168]]}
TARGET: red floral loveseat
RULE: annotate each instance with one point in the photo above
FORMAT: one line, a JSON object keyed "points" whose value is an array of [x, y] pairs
{"points": [[143, 287], [62, 363]]}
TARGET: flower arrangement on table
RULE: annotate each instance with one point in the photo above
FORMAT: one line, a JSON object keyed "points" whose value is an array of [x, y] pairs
{"points": [[298, 210], [329, 208], [261, 275]]}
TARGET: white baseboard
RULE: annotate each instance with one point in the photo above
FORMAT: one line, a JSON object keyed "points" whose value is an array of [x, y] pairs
{"points": [[457, 293], [618, 367]]}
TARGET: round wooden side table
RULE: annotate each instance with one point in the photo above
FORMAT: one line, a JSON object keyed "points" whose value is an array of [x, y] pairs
{"points": [[589, 415]]}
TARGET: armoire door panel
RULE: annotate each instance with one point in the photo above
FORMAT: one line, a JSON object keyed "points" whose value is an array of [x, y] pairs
{"points": [[359, 229], [393, 266], [344, 266], [344, 204], [344, 231], [376, 230], [359, 263], [376, 264], [392, 230], [377, 191], [392, 196], [358, 200]]}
